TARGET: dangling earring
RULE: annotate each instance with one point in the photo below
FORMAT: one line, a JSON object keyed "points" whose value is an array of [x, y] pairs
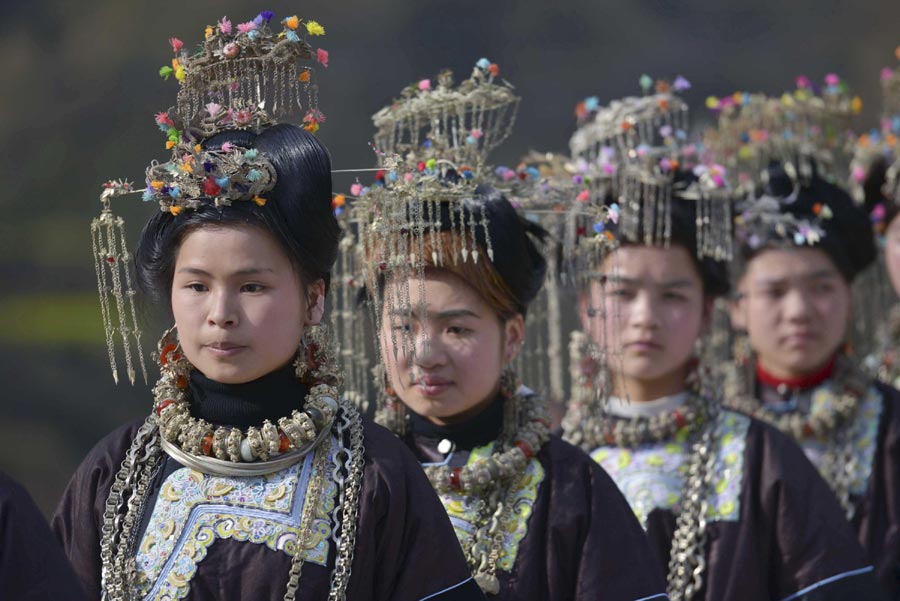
{"points": [[316, 361], [390, 411], [111, 264], [171, 359]]}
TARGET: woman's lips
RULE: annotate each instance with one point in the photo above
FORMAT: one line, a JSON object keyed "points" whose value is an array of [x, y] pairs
{"points": [[643, 346], [224, 349], [432, 386]]}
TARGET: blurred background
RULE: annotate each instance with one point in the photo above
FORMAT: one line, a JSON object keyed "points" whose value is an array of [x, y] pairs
{"points": [[80, 88]]}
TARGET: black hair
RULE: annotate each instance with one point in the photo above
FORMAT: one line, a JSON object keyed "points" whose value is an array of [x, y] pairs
{"points": [[297, 213], [848, 239], [517, 257]]}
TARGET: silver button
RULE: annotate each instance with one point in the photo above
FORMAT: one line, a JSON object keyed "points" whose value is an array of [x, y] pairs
{"points": [[445, 446]]}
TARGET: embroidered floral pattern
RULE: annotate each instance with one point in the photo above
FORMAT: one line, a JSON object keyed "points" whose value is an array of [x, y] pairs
{"points": [[463, 510], [864, 433], [193, 510], [652, 476]]}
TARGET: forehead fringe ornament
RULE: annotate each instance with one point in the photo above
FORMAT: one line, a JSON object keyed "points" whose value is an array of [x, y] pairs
{"points": [[631, 151], [432, 145], [226, 84], [810, 124]]}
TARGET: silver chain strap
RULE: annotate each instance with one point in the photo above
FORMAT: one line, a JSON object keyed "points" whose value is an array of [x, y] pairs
{"points": [[687, 561]]}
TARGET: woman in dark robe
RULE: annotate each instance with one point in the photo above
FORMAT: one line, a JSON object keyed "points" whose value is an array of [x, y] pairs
{"points": [[252, 478], [732, 507], [32, 565], [802, 244], [536, 518]]}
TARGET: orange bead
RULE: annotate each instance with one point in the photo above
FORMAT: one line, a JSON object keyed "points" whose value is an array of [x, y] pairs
{"points": [[163, 405], [207, 445], [284, 443]]}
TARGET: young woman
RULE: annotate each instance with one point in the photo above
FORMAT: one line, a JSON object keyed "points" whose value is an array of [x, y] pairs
{"points": [[801, 247], [251, 479], [535, 517], [732, 507]]}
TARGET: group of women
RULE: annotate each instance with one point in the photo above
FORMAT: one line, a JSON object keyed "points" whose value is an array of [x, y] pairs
{"points": [[723, 438]]}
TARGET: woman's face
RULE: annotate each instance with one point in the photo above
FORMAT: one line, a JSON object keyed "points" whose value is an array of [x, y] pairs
{"points": [[646, 317], [795, 306], [892, 253], [239, 304], [461, 347]]}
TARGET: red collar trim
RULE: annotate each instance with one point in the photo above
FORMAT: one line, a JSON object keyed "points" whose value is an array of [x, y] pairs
{"points": [[807, 381]]}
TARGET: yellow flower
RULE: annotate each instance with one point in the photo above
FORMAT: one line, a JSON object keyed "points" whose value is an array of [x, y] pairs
{"points": [[198, 148], [856, 105], [157, 185], [175, 210], [179, 73], [209, 31], [292, 22], [259, 200], [170, 144], [186, 167], [314, 28], [175, 63]]}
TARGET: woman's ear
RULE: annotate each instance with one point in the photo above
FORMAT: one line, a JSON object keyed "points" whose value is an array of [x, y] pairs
{"points": [[514, 337], [315, 295]]}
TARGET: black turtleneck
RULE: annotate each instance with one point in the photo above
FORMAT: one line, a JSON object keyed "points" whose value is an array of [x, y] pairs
{"points": [[477, 431], [270, 397]]}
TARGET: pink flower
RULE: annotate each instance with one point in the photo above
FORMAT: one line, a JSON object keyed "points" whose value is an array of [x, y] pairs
{"points": [[886, 73], [213, 109], [355, 189], [225, 26], [231, 50], [803, 82], [176, 44], [408, 177], [859, 174], [322, 57], [242, 117], [476, 133], [425, 85], [832, 79], [227, 147], [164, 119], [246, 27]]}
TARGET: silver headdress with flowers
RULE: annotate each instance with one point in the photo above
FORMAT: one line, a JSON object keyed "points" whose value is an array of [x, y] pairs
{"points": [[242, 76], [806, 129]]}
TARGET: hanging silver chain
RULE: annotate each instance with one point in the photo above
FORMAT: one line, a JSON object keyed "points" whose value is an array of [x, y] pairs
{"points": [[687, 560]]}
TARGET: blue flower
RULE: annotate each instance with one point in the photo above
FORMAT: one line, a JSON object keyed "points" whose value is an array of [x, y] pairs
{"points": [[149, 194], [292, 36], [251, 154], [599, 227], [483, 63], [592, 103], [223, 182]]}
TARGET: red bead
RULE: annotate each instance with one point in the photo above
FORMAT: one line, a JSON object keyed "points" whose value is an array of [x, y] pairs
{"points": [[523, 446], [454, 478], [610, 439], [808, 432], [110, 259], [284, 443], [164, 353], [210, 187], [206, 446], [679, 419], [181, 382], [163, 405]]}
